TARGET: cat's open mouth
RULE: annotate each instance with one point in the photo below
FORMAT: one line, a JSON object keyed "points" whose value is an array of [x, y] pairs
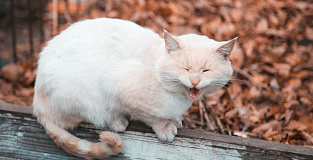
{"points": [[194, 93]]}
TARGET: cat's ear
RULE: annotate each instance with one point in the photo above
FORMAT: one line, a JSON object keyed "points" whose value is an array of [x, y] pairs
{"points": [[170, 43], [226, 48]]}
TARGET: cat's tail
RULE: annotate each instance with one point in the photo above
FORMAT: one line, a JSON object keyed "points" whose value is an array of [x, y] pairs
{"points": [[110, 144]]}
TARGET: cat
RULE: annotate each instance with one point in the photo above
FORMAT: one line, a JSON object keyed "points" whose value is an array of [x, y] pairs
{"points": [[104, 70]]}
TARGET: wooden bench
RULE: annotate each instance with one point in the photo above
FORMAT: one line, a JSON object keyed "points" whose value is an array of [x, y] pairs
{"points": [[21, 137]]}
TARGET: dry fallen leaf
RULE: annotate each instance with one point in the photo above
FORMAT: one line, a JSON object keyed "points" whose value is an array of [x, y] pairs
{"points": [[295, 125], [12, 72], [262, 26], [274, 125]]}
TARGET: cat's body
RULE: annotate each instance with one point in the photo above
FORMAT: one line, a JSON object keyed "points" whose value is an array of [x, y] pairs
{"points": [[103, 70]]}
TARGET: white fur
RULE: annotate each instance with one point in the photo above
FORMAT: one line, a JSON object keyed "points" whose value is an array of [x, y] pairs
{"points": [[100, 70]]}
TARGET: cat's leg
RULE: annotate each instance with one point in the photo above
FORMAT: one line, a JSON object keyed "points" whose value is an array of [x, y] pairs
{"points": [[166, 130], [178, 122], [119, 124]]}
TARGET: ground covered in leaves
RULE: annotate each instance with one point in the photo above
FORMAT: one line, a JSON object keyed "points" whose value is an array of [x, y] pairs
{"points": [[270, 96]]}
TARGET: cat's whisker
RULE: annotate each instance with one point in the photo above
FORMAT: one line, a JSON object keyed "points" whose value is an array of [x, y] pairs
{"points": [[220, 86], [170, 79]]}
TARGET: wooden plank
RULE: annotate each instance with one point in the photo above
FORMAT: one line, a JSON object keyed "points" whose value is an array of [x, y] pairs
{"points": [[22, 137], [15, 108]]}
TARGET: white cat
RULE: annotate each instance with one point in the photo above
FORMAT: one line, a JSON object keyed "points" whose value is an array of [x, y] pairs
{"points": [[102, 70]]}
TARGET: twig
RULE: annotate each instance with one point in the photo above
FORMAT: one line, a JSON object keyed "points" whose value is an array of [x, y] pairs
{"points": [[67, 14], [77, 9], [13, 30], [191, 123], [42, 34], [55, 17], [219, 123], [207, 119], [201, 113], [255, 81], [228, 129], [30, 30], [307, 136]]}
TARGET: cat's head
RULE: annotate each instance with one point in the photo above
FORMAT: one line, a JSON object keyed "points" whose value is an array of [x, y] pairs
{"points": [[193, 65]]}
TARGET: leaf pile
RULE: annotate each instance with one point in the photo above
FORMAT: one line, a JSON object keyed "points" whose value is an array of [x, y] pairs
{"points": [[271, 93]]}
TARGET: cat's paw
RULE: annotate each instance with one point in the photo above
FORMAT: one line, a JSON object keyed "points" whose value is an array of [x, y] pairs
{"points": [[119, 125], [177, 122], [167, 132]]}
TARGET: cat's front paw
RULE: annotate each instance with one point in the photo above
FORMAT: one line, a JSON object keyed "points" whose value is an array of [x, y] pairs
{"points": [[119, 125], [165, 132], [177, 122]]}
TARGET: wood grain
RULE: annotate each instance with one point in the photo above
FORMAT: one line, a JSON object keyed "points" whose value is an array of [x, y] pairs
{"points": [[21, 137]]}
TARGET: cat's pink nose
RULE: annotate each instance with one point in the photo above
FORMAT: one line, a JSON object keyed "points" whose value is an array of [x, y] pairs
{"points": [[194, 81]]}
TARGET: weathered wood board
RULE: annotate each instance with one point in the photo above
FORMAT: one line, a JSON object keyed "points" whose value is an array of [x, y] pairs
{"points": [[21, 137]]}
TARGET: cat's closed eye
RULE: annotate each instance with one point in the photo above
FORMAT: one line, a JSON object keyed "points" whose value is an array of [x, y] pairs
{"points": [[206, 70], [186, 69]]}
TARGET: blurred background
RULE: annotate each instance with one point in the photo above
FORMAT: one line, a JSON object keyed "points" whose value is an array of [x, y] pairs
{"points": [[270, 96]]}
